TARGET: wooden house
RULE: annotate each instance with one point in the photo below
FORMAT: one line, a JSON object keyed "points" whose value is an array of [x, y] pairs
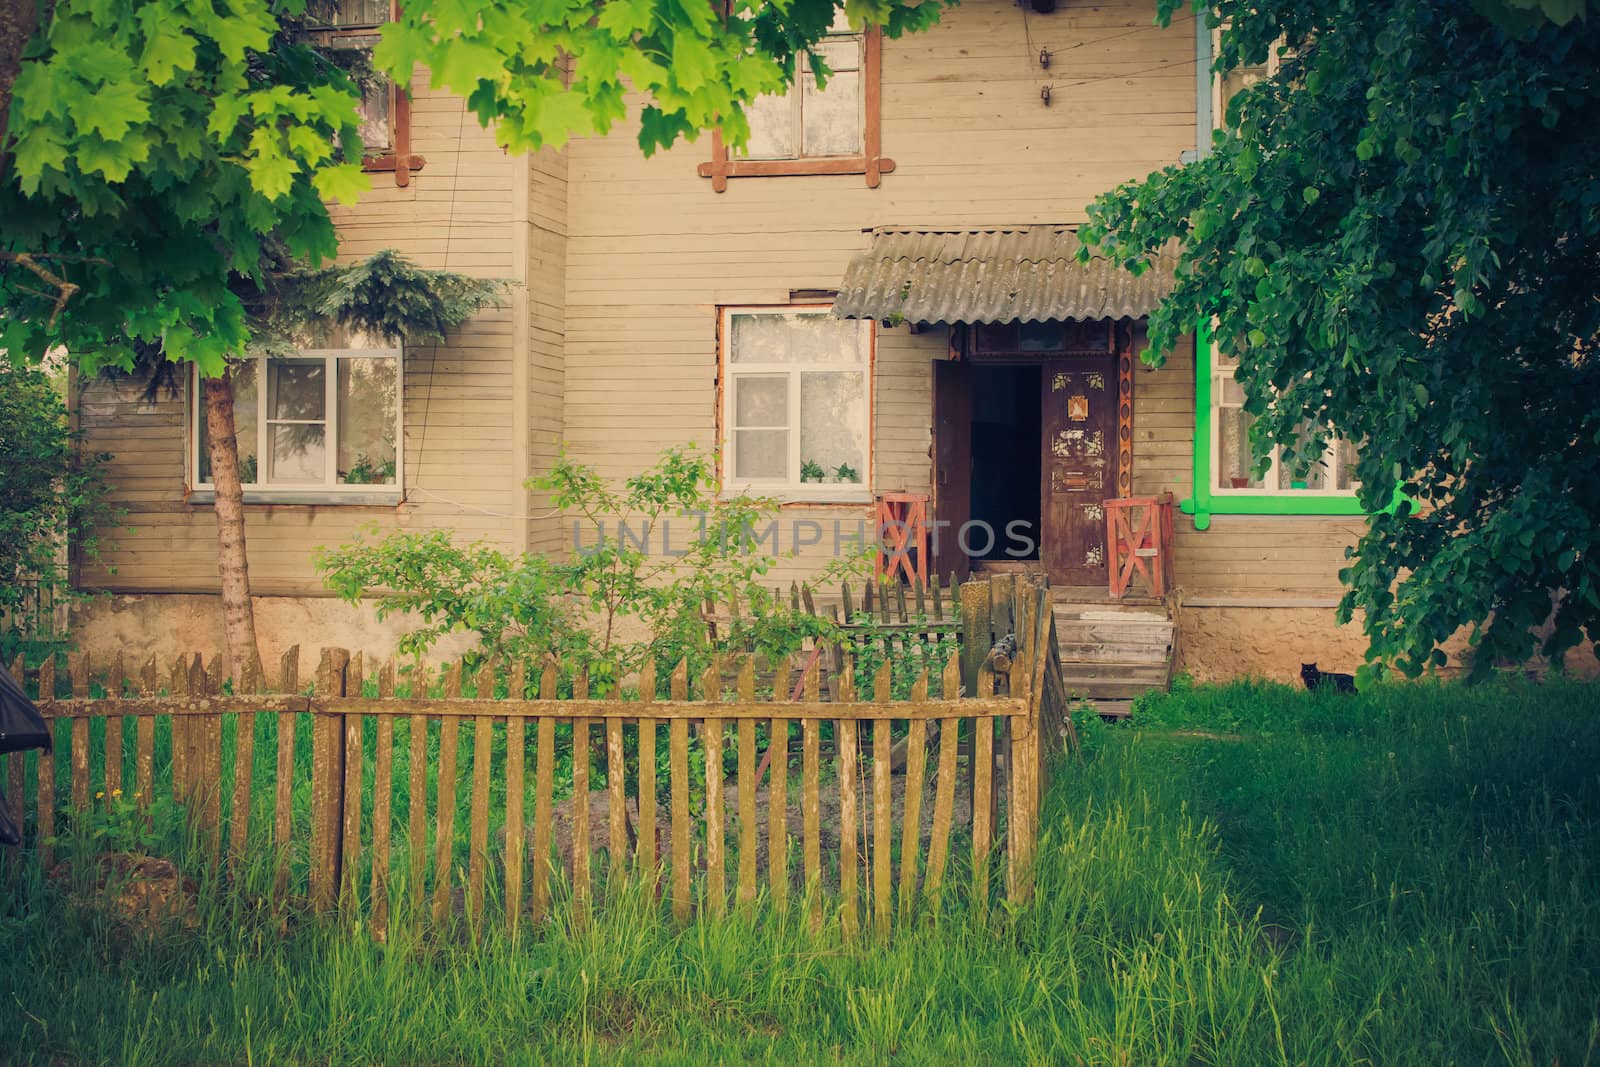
{"points": [[880, 296]]}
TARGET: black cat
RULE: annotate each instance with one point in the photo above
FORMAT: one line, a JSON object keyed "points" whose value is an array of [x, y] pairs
{"points": [[1315, 679]]}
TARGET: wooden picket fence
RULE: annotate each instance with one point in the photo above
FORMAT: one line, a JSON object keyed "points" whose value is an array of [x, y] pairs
{"points": [[999, 715]]}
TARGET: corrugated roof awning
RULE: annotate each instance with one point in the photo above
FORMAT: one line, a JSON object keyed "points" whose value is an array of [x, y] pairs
{"points": [[1028, 273]]}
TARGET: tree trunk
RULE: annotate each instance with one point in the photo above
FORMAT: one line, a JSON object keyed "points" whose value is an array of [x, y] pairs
{"points": [[19, 20], [238, 616]]}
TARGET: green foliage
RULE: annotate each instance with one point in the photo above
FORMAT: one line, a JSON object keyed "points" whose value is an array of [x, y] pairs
{"points": [[811, 471], [544, 73], [51, 494], [1398, 236], [846, 473], [908, 655], [161, 149], [618, 600]]}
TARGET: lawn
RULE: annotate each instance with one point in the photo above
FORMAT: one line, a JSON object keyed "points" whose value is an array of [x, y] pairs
{"points": [[1248, 875]]}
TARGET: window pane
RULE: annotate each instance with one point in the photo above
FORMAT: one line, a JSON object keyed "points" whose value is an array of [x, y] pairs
{"points": [[838, 54], [1346, 452], [1231, 392], [1302, 470], [1233, 451], [366, 413], [772, 132], [295, 389], [374, 112], [244, 422], [760, 454], [297, 454], [833, 423], [831, 117], [1041, 336], [997, 337], [771, 338], [761, 400]]}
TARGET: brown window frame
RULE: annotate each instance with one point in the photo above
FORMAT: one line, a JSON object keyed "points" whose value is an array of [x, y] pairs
{"points": [[871, 162], [399, 159]]}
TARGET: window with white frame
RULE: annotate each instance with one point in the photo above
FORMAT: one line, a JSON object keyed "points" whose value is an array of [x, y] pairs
{"points": [[1231, 458], [796, 403], [320, 421], [815, 119]]}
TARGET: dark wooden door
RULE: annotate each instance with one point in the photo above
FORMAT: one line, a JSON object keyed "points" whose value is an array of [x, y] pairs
{"points": [[952, 464], [1079, 426]]}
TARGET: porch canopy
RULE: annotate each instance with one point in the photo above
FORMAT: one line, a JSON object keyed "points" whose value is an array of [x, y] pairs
{"points": [[1024, 273]]}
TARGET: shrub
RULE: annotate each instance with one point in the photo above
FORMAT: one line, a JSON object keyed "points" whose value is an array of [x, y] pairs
{"points": [[609, 606], [51, 496]]}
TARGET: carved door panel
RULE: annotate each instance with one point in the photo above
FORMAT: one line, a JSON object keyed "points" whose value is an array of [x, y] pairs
{"points": [[1080, 471]]}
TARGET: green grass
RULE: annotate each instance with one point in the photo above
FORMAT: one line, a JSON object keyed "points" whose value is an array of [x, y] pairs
{"points": [[1251, 875]]}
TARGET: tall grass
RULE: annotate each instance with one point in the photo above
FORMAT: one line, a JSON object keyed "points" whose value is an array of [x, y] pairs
{"points": [[1251, 875]]}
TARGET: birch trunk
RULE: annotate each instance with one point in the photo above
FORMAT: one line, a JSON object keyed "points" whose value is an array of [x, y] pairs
{"points": [[238, 615]]}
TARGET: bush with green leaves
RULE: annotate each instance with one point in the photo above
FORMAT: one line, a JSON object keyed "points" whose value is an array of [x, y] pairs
{"points": [[50, 496], [610, 605]]}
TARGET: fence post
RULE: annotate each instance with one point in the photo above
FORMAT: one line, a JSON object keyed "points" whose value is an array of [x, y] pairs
{"points": [[1023, 734], [327, 781]]}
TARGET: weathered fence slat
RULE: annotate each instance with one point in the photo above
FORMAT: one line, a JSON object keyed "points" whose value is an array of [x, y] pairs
{"points": [[746, 892], [382, 805], [882, 806], [911, 817], [716, 887], [945, 789], [350, 794], [444, 805], [516, 788], [982, 791], [646, 855], [616, 799], [478, 847], [582, 752], [45, 772], [78, 670], [678, 758], [544, 776]]}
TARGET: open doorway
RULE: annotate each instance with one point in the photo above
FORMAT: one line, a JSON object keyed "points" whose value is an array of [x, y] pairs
{"points": [[1006, 458]]}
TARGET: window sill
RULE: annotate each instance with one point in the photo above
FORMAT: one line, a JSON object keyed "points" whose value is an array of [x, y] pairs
{"points": [[820, 494], [377, 496], [1286, 503]]}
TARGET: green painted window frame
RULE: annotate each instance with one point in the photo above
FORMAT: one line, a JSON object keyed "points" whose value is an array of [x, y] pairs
{"points": [[1206, 503]]}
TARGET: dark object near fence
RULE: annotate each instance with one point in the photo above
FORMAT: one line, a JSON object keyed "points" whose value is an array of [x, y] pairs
{"points": [[21, 727]]}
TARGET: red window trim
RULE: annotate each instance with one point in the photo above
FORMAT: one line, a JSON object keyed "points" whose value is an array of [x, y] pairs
{"points": [[400, 160], [870, 163]]}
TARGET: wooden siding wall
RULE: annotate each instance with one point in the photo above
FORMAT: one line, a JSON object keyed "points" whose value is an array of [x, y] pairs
{"points": [[460, 456], [652, 250], [546, 245]]}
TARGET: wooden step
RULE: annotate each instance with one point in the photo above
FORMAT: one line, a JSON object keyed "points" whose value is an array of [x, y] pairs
{"points": [[1118, 652], [1087, 673], [1084, 631], [1102, 691]]}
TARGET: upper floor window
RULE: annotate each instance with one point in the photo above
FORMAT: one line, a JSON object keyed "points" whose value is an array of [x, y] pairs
{"points": [[1232, 460], [321, 423], [823, 116], [796, 403], [1224, 87], [824, 124], [385, 109]]}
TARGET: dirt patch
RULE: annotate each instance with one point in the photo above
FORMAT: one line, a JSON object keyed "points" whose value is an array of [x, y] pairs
{"points": [[140, 895]]}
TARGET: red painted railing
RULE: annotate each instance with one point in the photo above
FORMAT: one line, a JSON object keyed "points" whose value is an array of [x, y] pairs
{"points": [[1139, 535]]}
